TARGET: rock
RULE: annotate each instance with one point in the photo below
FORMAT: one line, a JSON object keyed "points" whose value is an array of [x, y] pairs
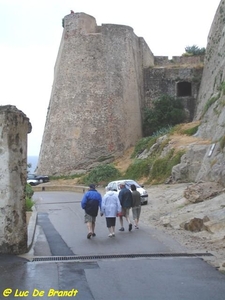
{"points": [[202, 191], [190, 164], [195, 225]]}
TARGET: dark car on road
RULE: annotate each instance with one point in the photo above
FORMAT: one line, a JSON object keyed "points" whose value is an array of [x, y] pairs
{"points": [[40, 178]]}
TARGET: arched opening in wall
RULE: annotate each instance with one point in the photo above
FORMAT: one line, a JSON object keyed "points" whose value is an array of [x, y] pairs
{"points": [[184, 89]]}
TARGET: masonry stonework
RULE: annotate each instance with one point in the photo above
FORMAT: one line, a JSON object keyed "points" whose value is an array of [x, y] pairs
{"points": [[104, 77], [14, 127], [94, 112], [160, 81]]}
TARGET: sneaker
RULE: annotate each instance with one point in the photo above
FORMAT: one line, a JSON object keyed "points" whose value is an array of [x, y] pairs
{"points": [[110, 235], [113, 234], [89, 235], [136, 227], [93, 234], [121, 229], [130, 227]]}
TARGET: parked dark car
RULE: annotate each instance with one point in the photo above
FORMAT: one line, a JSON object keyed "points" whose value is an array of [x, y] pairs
{"points": [[32, 180], [39, 178]]}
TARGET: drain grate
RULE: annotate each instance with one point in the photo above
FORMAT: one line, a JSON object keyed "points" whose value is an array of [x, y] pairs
{"points": [[110, 256]]}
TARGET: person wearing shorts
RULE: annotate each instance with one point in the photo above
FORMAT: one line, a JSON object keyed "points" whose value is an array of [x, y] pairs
{"points": [[136, 209], [125, 197], [91, 202], [110, 208]]}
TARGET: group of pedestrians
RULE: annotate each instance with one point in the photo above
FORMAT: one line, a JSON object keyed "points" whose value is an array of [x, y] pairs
{"points": [[111, 205]]}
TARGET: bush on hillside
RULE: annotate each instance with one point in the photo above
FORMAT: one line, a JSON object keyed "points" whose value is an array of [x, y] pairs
{"points": [[140, 168], [102, 174], [166, 111], [162, 167]]}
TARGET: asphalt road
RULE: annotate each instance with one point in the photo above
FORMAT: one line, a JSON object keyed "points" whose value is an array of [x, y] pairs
{"points": [[141, 264]]}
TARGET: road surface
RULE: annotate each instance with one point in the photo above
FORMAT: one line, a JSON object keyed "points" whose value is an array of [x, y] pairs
{"points": [[141, 264]]}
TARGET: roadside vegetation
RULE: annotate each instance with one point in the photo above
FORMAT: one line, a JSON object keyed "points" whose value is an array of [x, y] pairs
{"points": [[153, 157], [29, 193], [166, 111]]}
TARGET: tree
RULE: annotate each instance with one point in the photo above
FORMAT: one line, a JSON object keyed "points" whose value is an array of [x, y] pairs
{"points": [[195, 50]]}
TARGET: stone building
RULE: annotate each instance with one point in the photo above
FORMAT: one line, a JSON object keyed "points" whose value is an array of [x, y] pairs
{"points": [[104, 76], [179, 77]]}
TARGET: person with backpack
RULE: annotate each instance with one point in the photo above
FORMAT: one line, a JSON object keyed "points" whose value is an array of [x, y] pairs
{"points": [[91, 202]]}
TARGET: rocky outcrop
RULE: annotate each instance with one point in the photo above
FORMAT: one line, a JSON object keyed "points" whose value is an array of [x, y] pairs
{"points": [[190, 164], [207, 163], [199, 192]]}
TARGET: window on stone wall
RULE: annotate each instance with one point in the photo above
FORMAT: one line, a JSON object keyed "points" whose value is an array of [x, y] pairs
{"points": [[184, 89]]}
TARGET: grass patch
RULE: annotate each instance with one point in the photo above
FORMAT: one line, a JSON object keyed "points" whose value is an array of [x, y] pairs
{"points": [[148, 142], [143, 144], [222, 142], [210, 103], [221, 88], [190, 131], [162, 167], [102, 174], [140, 168], [28, 204]]}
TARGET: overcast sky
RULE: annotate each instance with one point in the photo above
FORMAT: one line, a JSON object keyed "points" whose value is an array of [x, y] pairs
{"points": [[31, 30]]}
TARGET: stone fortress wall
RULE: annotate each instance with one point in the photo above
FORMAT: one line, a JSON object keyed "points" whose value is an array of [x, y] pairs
{"points": [[95, 107], [104, 76]]}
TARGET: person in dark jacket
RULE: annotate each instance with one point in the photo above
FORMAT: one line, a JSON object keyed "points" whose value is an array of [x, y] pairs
{"points": [[125, 197], [91, 202], [136, 208]]}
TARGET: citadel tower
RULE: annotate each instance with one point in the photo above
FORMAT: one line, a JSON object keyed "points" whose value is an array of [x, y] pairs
{"points": [[95, 107]]}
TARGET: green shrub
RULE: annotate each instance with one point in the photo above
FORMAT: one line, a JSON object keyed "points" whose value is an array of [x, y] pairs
{"points": [[29, 191], [101, 174], [140, 168], [162, 131], [28, 204], [166, 111], [28, 195], [142, 144], [190, 131], [162, 167]]}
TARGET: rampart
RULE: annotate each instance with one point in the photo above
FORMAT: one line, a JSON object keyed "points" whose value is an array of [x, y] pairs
{"points": [[95, 108], [178, 60]]}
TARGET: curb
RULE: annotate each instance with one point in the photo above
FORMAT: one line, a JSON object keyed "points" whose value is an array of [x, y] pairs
{"points": [[31, 229], [41, 188]]}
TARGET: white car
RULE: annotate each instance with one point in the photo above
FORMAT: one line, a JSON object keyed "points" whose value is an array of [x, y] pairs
{"points": [[115, 185]]}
